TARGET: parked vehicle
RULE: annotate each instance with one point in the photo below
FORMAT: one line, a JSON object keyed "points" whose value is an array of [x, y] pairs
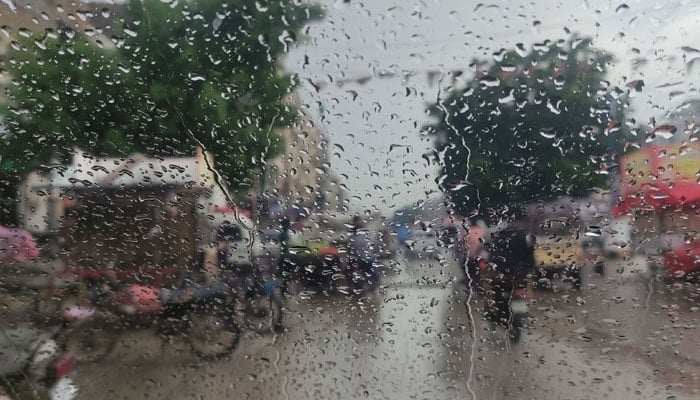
{"points": [[592, 254], [617, 238], [313, 263], [311, 256], [202, 314], [558, 251], [150, 219], [34, 365]]}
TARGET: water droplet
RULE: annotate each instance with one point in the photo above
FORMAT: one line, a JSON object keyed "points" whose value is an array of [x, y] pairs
{"points": [[548, 133], [507, 97], [622, 8], [665, 131], [260, 7], [499, 55], [593, 230], [285, 38], [520, 162], [554, 108], [489, 81]]}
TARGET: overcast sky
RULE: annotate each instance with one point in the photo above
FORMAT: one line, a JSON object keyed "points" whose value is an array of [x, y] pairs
{"points": [[367, 122]]}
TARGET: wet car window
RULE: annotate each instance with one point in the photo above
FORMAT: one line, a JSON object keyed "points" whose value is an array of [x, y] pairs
{"points": [[340, 199]]}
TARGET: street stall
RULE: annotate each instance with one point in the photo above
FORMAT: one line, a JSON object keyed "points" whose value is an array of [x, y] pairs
{"points": [[138, 221], [137, 234], [660, 193]]}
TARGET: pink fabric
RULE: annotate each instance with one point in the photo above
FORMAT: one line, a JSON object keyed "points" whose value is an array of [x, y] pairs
{"points": [[145, 298], [232, 210], [17, 245], [475, 241], [76, 313]]}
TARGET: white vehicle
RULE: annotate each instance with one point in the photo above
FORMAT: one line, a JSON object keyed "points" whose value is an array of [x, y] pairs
{"points": [[617, 237]]}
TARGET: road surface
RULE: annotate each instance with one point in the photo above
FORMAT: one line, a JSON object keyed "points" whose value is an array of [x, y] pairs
{"points": [[620, 337]]}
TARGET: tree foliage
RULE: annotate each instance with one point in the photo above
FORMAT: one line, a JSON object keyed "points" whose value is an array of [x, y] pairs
{"points": [[174, 76], [530, 126]]}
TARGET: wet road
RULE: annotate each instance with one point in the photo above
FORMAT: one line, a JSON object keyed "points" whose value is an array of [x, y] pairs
{"points": [[621, 337]]}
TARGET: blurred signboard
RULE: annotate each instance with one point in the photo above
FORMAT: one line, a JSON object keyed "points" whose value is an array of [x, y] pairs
{"points": [[659, 177]]}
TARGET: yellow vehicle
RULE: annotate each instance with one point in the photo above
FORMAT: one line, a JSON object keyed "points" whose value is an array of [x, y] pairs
{"points": [[558, 251]]}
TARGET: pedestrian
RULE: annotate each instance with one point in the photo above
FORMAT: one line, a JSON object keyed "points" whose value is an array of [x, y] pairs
{"points": [[283, 261], [473, 248], [237, 273]]}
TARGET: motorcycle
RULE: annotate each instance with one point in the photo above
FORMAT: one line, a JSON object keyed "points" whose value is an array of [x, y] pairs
{"points": [[202, 314], [519, 310], [507, 304], [362, 263], [33, 365]]}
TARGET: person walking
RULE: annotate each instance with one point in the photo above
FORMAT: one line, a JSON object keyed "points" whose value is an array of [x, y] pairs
{"points": [[473, 248]]}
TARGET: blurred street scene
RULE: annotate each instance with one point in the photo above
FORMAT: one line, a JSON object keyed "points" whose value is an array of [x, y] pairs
{"points": [[258, 200]]}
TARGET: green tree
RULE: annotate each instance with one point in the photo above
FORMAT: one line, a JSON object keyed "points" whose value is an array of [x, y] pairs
{"points": [[530, 126], [179, 75], [64, 92]]}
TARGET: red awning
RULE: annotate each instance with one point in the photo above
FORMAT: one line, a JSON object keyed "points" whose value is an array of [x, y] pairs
{"points": [[232, 210]]}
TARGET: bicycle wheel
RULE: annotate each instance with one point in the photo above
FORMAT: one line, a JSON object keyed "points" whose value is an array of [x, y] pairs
{"points": [[213, 332], [91, 340], [515, 327], [263, 313]]}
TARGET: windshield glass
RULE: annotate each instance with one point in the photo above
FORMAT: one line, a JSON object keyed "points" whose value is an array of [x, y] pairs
{"points": [[293, 199]]}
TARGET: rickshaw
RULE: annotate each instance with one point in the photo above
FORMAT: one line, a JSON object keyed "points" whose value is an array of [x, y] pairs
{"points": [[136, 256]]}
